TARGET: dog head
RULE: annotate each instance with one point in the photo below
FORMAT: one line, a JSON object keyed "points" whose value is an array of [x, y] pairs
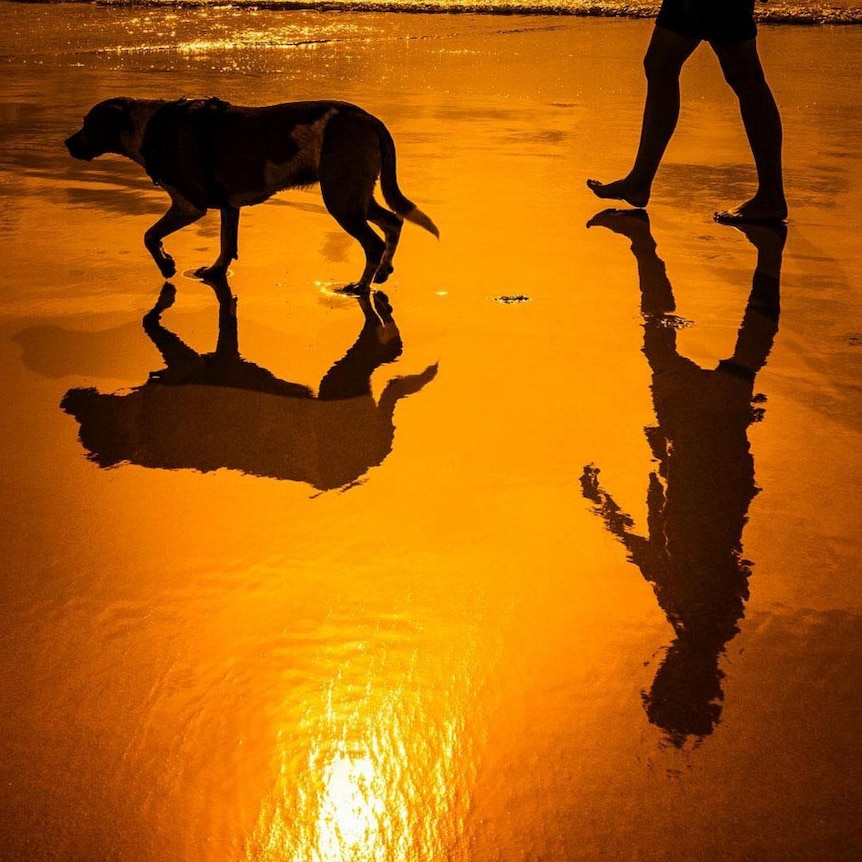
{"points": [[102, 131]]}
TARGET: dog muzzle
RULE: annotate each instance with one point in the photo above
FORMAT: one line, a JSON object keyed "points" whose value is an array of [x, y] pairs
{"points": [[78, 149]]}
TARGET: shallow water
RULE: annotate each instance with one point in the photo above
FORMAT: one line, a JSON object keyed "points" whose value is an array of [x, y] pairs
{"points": [[302, 584]]}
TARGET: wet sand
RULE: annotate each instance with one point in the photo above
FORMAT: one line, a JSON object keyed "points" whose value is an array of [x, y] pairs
{"points": [[307, 584]]}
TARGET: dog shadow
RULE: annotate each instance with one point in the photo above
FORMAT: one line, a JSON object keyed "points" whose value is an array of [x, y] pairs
{"points": [[216, 410], [699, 494]]}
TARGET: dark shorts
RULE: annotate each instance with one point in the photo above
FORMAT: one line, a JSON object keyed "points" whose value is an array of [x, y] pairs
{"points": [[722, 22]]}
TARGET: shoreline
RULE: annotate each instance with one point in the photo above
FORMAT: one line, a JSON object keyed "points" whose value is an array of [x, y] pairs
{"points": [[764, 15]]}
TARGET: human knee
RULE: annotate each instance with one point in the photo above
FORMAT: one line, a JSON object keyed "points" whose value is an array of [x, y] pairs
{"points": [[659, 66], [745, 80], [740, 65]]}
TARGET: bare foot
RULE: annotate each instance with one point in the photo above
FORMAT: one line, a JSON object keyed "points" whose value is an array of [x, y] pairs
{"points": [[757, 210], [620, 190], [633, 224]]}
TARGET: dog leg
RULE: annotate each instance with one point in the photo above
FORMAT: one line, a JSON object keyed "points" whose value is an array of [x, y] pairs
{"points": [[180, 214], [228, 249], [379, 342], [348, 169], [354, 222], [391, 225]]}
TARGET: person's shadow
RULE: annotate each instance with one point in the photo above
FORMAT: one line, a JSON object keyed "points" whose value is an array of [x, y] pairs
{"points": [[217, 410], [699, 494]]}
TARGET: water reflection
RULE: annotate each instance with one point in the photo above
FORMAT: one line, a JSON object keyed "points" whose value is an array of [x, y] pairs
{"points": [[377, 782], [214, 410], [698, 497]]}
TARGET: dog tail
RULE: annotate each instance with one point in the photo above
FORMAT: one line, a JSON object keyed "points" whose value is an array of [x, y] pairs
{"points": [[389, 184]]}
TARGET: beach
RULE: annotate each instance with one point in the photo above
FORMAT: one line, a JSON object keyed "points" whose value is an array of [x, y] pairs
{"points": [[499, 576]]}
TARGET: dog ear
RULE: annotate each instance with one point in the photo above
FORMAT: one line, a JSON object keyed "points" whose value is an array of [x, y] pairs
{"points": [[113, 113], [119, 111]]}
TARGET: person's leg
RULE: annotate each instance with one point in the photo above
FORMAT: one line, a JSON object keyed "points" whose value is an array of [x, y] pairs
{"points": [[742, 70], [663, 63]]}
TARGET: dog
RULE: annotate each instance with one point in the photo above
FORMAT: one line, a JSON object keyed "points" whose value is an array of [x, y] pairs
{"points": [[208, 153]]}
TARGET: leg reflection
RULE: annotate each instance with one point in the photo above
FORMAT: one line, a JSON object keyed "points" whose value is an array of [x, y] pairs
{"points": [[699, 495]]}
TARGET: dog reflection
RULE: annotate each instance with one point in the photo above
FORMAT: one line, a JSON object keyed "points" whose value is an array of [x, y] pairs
{"points": [[217, 410], [698, 497]]}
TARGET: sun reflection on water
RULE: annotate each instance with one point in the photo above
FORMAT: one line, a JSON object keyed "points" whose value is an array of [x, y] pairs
{"points": [[378, 777], [351, 809]]}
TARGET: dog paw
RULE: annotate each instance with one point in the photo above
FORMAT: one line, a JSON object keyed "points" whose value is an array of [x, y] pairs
{"points": [[215, 276], [383, 274], [355, 289]]}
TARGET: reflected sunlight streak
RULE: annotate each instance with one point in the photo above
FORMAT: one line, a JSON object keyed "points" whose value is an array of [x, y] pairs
{"points": [[352, 820], [379, 781]]}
